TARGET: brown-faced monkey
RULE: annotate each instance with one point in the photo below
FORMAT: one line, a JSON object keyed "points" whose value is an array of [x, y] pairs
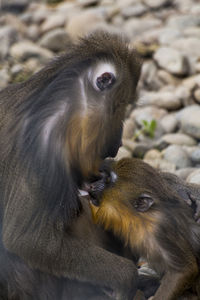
{"points": [[55, 130], [141, 208]]}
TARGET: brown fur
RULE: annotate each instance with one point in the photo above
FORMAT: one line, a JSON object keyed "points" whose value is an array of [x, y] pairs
{"points": [[150, 217]]}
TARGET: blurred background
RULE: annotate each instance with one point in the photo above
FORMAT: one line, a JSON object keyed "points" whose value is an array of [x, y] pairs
{"points": [[164, 128]]}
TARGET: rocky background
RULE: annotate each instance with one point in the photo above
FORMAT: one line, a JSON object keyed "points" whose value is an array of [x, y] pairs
{"points": [[164, 129]]}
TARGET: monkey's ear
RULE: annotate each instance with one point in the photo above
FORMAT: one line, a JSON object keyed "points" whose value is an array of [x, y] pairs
{"points": [[143, 202]]}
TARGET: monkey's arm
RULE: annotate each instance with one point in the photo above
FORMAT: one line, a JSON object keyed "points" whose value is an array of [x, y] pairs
{"points": [[173, 284], [46, 246]]}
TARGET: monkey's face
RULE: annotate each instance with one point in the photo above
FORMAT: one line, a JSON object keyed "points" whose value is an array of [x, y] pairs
{"points": [[106, 83], [130, 204]]}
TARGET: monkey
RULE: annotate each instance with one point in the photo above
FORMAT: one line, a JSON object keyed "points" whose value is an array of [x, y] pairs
{"points": [[55, 130], [140, 207]]}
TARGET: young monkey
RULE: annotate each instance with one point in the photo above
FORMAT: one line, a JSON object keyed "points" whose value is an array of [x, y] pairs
{"points": [[139, 207]]}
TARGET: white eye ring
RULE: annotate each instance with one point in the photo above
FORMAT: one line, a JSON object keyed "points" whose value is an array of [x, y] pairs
{"points": [[103, 70]]}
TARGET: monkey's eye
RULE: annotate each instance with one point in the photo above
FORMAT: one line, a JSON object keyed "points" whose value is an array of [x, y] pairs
{"points": [[105, 81], [143, 202]]}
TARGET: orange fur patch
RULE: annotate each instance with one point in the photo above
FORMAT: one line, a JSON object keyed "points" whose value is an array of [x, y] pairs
{"points": [[133, 228]]}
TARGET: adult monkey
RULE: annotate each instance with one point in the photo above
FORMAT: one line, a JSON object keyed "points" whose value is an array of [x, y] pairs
{"points": [[55, 129]]}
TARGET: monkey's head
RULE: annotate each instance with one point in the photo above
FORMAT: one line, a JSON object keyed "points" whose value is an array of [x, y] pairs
{"points": [[134, 203], [105, 73]]}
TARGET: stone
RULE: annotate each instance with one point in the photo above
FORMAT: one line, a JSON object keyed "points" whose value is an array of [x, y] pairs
{"points": [[194, 177], [166, 78], [33, 32], [183, 21], [135, 27], [196, 95], [169, 123], [184, 173], [122, 153], [157, 3], [189, 47], [8, 36], [184, 94], [171, 60], [176, 155], [161, 164], [55, 40], [148, 113], [189, 118], [128, 129], [195, 155], [167, 36], [54, 21], [83, 23], [164, 99], [134, 10], [26, 49], [153, 154], [177, 139], [86, 3], [149, 76]]}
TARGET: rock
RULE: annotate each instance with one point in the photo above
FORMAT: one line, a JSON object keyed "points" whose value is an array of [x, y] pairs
{"points": [[54, 21], [134, 10], [183, 21], [86, 3], [129, 128], [4, 78], [161, 164], [166, 78], [196, 94], [83, 23], [184, 173], [14, 6], [33, 32], [157, 3], [176, 155], [122, 153], [177, 139], [8, 36], [191, 82], [163, 99], [147, 113], [195, 155], [184, 94], [140, 149], [152, 154], [189, 47], [149, 76], [171, 60], [26, 49], [167, 36], [169, 123], [55, 40], [194, 177], [189, 118], [135, 27]]}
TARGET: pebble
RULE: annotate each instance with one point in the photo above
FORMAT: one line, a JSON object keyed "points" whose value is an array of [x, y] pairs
{"points": [[8, 36], [194, 177], [171, 60], [148, 113], [163, 99], [189, 118], [177, 139], [169, 123], [55, 40], [26, 49], [122, 153], [129, 128], [176, 155], [195, 155], [184, 173]]}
